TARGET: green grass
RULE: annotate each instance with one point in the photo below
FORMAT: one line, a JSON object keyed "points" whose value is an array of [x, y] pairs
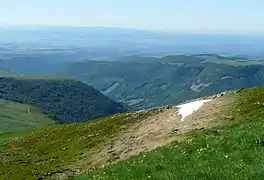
{"points": [[8, 136], [230, 152], [58, 148], [17, 120], [18, 117]]}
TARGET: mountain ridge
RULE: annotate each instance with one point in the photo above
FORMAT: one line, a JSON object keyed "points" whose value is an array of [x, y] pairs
{"points": [[167, 80]]}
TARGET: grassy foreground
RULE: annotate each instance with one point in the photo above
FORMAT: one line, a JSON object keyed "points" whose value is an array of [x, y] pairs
{"points": [[59, 148], [232, 152]]}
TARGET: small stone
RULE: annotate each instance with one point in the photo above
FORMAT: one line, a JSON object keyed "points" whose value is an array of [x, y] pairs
{"points": [[111, 151], [169, 107], [201, 128], [229, 117], [90, 135], [132, 137], [174, 130]]}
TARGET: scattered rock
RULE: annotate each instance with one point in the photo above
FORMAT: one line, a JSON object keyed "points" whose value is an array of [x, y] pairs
{"points": [[132, 137], [111, 151], [60, 174], [169, 107], [229, 117], [114, 158], [174, 130], [201, 128], [218, 95], [91, 135], [128, 150]]}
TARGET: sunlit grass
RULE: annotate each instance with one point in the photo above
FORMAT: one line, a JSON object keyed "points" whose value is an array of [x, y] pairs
{"points": [[57, 148], [231, 152]]}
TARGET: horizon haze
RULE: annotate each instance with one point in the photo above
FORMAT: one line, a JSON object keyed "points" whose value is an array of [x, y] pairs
{"points": [[175, 16]]}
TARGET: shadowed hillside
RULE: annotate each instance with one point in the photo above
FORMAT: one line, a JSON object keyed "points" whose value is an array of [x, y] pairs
{"points": [[65, 100]]}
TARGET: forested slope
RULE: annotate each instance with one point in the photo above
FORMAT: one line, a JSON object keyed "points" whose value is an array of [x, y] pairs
{"points": [[65, 100]]}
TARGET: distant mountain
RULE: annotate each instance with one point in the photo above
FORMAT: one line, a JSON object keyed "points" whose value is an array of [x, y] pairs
{"points": [[144, 82], [65, 100], [79, 43]]}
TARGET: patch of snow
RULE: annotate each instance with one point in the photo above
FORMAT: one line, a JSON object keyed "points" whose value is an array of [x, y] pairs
{"points": [[189, 108]]}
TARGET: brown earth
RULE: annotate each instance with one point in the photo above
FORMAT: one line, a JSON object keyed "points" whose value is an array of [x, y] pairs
{"points": [[162, 127]]}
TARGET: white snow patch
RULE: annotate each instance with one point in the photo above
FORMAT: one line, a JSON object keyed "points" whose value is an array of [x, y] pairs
{"points": [[189, 108]]}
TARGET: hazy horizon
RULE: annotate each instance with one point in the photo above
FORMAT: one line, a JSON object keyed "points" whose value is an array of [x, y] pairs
{"points": [[188, 16]]}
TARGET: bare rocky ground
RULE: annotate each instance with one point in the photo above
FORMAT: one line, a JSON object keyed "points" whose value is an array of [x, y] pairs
{"points": [[162, 127]]}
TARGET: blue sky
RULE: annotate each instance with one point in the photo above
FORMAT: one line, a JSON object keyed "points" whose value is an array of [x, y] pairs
{"points": [[246, 16]]}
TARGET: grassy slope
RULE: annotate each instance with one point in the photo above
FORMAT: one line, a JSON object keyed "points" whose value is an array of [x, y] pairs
{"points": [[18, 119], [16, 116], [230, 152], [58, 148]]}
